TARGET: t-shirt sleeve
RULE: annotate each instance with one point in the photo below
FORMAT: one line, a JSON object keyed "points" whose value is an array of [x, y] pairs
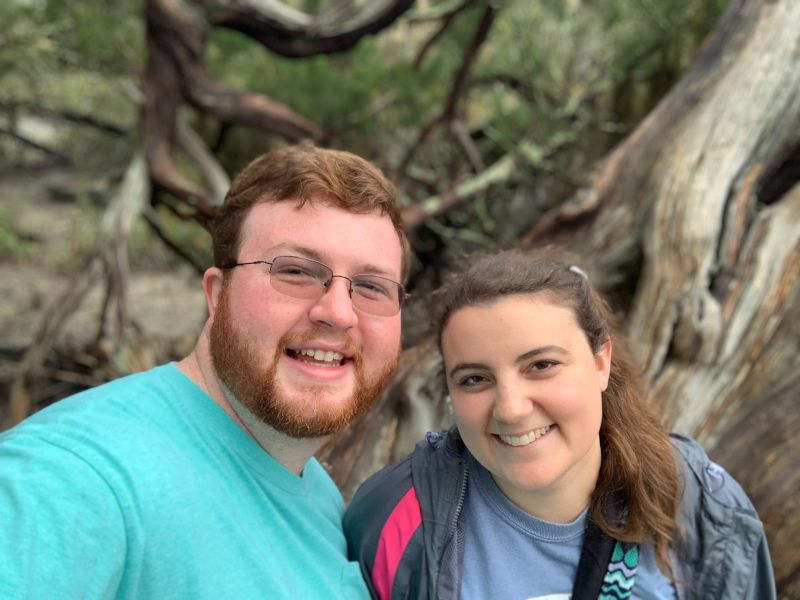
{"points": [[62, 533]]}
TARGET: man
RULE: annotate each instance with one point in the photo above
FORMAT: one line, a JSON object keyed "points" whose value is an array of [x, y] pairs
{"points": [[196, 479]]}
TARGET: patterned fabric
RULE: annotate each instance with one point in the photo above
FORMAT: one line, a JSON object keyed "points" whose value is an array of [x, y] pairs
{"points": [[621, 574]]}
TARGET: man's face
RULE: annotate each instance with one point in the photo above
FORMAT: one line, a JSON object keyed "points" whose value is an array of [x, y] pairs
{"points": [[306, 367]]}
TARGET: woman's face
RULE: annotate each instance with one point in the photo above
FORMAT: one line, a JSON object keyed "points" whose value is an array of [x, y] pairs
{"points": [[526, 391]]}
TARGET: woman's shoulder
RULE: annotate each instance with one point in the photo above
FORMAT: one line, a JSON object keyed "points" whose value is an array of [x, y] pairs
{"points": [[386, 512], [708, 479], [437, 452], [723, 550]]}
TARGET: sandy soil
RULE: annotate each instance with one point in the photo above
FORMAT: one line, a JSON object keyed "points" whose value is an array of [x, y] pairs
{"points": [[168, 305]]}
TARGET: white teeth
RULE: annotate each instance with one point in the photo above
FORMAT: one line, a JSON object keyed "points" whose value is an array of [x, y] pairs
{"points": [[322, 356], [524, 440]]}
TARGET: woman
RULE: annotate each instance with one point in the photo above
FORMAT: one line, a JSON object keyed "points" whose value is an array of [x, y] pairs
{"points": [[557, 480]]}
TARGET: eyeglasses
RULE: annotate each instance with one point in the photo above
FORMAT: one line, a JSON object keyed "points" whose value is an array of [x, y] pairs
{"points": [[305, 278]]}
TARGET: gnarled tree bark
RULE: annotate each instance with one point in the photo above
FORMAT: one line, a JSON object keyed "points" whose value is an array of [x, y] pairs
{"points": [[177, 74], [683, 212]]}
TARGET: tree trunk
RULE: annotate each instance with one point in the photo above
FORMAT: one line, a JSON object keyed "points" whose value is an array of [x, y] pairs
{"points": [[686, 211], [177, 74]]}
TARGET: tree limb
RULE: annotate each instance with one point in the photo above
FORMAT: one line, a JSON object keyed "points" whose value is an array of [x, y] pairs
{"points": [[296, 34], [446, 20], [50, 152], [66, 115], [152, 219], [195, 148], [123, 209], [434, 206], [459, 80]]}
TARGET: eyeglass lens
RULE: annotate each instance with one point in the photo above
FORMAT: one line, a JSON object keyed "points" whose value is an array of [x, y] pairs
{"points": [[306, 278]]}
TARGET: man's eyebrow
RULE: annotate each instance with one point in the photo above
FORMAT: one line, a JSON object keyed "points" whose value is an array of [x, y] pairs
{"points": [[367, 269], [363, 269], [297, 249]]}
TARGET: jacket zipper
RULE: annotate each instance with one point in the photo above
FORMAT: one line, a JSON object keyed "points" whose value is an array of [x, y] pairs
{"points": [[459, 545]]}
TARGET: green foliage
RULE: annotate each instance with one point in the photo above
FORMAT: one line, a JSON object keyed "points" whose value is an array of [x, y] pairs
{"points": [[13, 245], [62, 56], [547, 67], [186, 234], [44, 35], [558, 82], [145, 250], [335, 91]]}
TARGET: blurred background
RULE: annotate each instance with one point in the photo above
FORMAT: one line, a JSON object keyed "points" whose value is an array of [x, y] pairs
{"points": [[659, 140]]}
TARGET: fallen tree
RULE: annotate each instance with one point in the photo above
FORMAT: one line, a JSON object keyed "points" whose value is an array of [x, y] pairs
{"points": [[691, 225], [698, 211]]}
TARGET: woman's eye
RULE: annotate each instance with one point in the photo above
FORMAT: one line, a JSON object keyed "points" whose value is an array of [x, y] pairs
{"points": [[471, 380], [542, 365]]}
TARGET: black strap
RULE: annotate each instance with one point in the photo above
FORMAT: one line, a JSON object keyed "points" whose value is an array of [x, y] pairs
{"points": [[595, 556]]}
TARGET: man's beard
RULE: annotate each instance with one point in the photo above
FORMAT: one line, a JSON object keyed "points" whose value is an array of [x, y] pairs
{"points": [[255, 385]]}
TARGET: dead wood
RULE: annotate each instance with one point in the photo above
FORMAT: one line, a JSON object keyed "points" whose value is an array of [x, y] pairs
{"points": [[457, 87], [679, 211]]}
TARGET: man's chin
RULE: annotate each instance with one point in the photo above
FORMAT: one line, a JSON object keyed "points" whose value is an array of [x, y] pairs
{"points": [[309, 410]]}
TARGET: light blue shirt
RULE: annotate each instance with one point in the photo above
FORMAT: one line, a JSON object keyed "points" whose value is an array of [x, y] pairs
{"points": [[511, 555]]}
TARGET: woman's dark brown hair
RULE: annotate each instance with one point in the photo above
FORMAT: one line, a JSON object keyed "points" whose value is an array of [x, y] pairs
{"points": [[638, 471]]}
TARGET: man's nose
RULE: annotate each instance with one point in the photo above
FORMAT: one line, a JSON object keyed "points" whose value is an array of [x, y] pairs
{"points": [[335, 307]]}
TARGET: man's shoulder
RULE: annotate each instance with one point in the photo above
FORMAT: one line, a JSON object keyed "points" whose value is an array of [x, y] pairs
{"points": [[124, 395], [104, 422], [161, 379]]}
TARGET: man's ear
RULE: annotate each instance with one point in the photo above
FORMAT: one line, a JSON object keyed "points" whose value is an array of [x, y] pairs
{"points": [[213, 280], [603, 361]]}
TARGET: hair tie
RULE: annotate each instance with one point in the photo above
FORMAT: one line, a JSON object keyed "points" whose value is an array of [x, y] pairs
{"points": [[577, 270]]}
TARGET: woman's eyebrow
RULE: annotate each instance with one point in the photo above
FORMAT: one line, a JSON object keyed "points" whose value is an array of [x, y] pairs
{"points": [[542, 350], [551, 349], [462, 366]]}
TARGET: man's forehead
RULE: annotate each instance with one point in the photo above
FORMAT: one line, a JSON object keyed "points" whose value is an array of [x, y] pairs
{"points": [[295, 210], [323, 232]]}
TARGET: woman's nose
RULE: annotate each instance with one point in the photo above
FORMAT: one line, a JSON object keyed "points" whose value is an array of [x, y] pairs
{"points": [[511, 403]]}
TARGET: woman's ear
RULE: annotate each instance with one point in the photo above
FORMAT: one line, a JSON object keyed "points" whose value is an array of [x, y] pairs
{"points": [[603, 361]]}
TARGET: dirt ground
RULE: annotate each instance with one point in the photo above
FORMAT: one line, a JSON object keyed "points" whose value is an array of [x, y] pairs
{"points": [[169, 305]]}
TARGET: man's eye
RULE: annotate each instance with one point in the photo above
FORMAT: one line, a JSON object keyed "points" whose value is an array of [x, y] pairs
{"points": [[294, 273], [371, 288]]}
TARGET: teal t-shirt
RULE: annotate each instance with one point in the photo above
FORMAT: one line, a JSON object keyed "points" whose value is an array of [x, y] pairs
{"points": [[144, 488]]}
